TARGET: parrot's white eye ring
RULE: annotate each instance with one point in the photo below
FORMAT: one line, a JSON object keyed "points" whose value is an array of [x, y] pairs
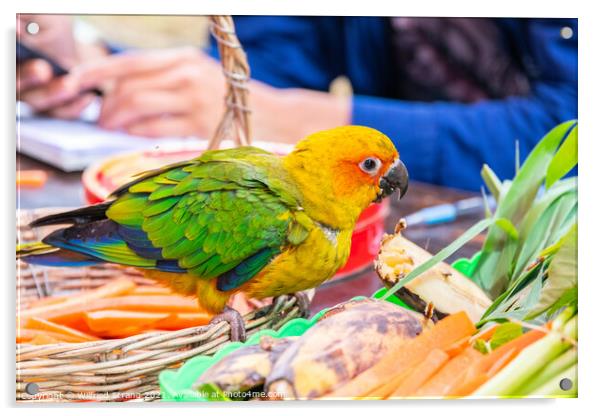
{"points": [[370, 165]]}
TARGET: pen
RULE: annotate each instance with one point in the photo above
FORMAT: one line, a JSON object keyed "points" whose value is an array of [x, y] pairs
{"points": [[439, 214]]}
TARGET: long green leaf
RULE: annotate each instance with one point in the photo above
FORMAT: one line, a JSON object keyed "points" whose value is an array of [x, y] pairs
{"points": [[494, 268], [565, 159], [562, 274], [492, 182], [468, 235]]}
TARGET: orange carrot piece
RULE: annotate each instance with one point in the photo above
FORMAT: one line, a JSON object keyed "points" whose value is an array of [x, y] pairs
{"points": [[468, 386], [37, 323], [75, 314], [502, 361], [34, 178], [420, 374], [113, 320], [50, 300], [490, 364], [447, 331], [43, 339], [518, 344], [449, 375], [183, 320], [113, 288], [28, 335], [383, 391], [151, 291]]}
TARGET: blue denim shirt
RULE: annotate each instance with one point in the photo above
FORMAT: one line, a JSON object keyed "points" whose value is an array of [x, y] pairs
{"points": [[444, 143]]}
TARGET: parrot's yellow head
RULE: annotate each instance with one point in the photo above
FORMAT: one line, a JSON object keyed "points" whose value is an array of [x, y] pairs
{"points": [[342, 170]]}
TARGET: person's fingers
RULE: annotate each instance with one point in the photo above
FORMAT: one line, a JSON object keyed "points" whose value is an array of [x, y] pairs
{"points": [[120, 111], [56, 92], [177, 77], [73, 108], [33, 73], [178, 126], [129, 63]]}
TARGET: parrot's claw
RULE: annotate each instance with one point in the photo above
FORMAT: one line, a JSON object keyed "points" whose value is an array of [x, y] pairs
{"points": [[238, 332], [303, 303]]}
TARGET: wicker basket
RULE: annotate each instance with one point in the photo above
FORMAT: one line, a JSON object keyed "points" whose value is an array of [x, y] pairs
{"points": [[127, 369]]}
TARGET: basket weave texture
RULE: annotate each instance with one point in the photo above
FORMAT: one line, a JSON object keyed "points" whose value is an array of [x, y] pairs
{"points": [[118, 369]]}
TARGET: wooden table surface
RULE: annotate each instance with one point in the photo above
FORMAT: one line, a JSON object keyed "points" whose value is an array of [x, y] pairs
{"points": [[65, 190]]}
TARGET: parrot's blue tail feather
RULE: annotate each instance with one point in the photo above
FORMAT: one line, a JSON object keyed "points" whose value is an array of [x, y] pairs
{"points": [[45, 255]]}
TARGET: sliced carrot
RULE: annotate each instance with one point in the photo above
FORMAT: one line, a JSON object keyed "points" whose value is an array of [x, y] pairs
{"points": [[151, 290], [43, 339], [420, 374], [502, 361], [34, 178], [458, 347], [183, 320], [113, 320], [490, 364], [37, 323], [468, 386], [114, 288], [383, 391], [446, 332], [28, 335], [449, 375], [517, 344], [173, 303], [50, 300]]}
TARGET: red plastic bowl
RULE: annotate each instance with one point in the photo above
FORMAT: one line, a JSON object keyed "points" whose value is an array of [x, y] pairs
{"points": [[101, 179]]}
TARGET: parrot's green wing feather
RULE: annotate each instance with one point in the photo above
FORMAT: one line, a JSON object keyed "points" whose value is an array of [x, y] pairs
{"points": [[227, 213]]}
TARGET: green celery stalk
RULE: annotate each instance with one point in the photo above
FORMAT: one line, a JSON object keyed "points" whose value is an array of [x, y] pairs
{"points": [[558, 366], [552, 387]]}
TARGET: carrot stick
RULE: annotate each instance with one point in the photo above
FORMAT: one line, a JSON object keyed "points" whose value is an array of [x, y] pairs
{"points": [[33, 178], [70, 316], [50, 300], [490, 364], [518, 344], [468, 386], [28, 335], [447, 331], [43, 339], [113, 320], [448, 376], [183, 320], [113, 288], [420, 374], [37, 323], [385, 390], [151, 290]]}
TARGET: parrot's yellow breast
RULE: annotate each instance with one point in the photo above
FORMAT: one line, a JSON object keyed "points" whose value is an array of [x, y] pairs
{"points": [[304, 266]]}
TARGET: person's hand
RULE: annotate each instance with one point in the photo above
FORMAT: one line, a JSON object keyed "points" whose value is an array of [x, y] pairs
{"points": [[180, 92], [174, 92], [36, 84]]}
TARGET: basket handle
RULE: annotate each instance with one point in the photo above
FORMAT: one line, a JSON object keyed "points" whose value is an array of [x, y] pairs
{"points": [[235, 121]]}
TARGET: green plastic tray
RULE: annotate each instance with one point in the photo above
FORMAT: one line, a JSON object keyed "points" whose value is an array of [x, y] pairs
{"points": [[176, 385]]}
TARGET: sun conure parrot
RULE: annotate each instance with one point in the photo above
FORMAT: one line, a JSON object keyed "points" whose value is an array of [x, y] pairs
{"points": [[235, 220]]}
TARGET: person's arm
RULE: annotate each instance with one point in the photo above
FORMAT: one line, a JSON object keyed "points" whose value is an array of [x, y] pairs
{"points": [[290, 51], [447, 143]]}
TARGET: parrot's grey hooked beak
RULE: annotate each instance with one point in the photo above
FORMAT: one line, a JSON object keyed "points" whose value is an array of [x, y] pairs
{"points": [[396, 177]]}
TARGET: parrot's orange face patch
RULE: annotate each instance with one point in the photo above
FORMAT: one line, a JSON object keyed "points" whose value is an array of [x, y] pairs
{"points": [[340, 171]]}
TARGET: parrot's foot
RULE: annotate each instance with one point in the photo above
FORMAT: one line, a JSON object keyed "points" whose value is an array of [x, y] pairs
{"points": [[238, 332], [303, 303]]}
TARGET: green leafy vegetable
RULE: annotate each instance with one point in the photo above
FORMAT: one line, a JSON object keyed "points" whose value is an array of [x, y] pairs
{"points": [[565, 159], [562, 275], [505, 333]]}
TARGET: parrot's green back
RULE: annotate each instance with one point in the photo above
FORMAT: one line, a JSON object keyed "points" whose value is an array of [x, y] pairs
{"points": [[224, 215]]}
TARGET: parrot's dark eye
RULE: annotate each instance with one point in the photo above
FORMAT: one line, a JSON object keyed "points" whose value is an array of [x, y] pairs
{"points": [[370, 165]]}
